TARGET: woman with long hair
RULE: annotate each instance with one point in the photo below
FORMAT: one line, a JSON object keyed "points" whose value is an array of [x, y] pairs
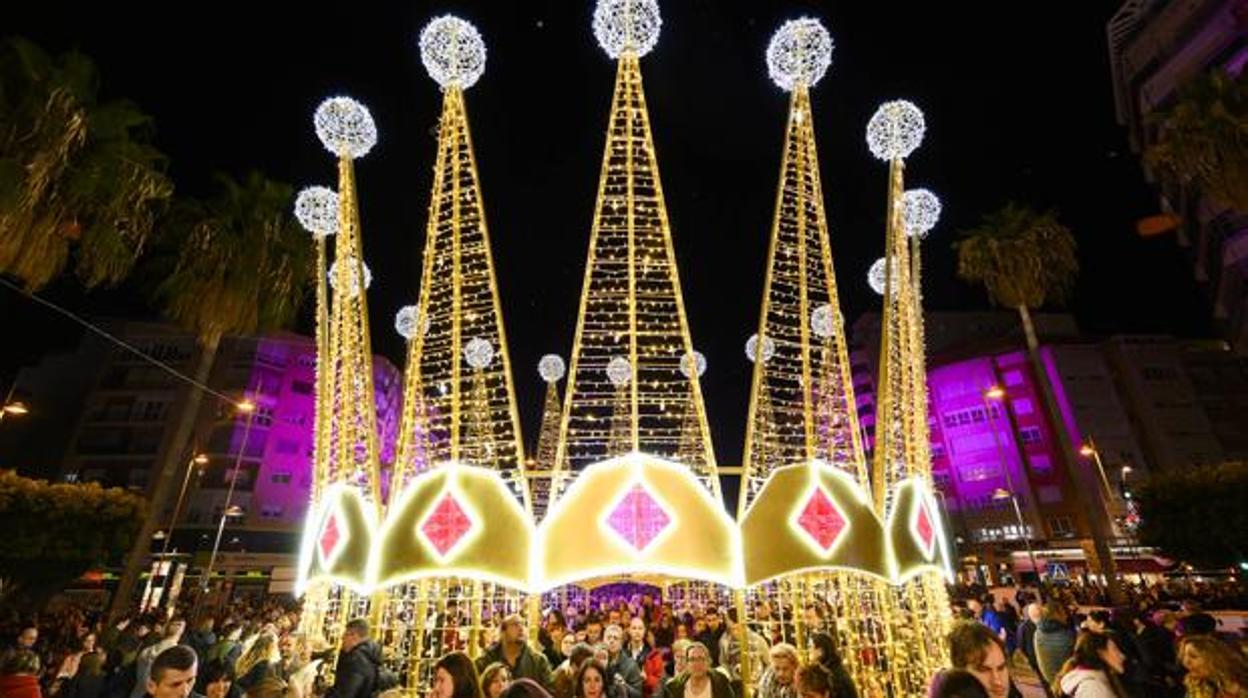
{"points": [[591, 680], [1093, 669], [258, 662], [1214, 668], [454, 676], [823, 651], [495, 679]]}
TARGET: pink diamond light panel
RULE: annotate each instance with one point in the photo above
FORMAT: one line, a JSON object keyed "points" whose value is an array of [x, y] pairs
{"points": [[821, 519], [639, 518], [446, 525]]}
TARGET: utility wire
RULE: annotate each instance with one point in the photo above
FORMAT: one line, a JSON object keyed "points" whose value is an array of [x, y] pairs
{"points": [[118, 341]]}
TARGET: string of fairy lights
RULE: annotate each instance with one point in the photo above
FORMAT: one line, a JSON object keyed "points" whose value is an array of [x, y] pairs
{"points": [[633, 375]]}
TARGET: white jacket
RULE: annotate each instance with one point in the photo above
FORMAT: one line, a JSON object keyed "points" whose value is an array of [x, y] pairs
{"points": [[1087, 683]]}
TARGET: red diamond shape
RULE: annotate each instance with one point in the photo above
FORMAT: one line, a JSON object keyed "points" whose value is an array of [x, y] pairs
{"points": [[821, 519], [330, 537], [638, 518], [925, 530], [446, 525]]}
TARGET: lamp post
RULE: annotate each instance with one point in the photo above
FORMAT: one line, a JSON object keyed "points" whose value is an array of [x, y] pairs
{"points": [[248, 408], [993, 394], [17, 408], [200, 460]]}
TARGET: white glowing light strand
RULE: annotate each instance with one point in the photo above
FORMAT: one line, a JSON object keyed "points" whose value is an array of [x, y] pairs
{"points": [[345, 127], [689, 362], [316, 209], [920, 209], [352, 275], [627, 26], [551, 368], [453, 52], [619, 371], [824, 321], [478, 352], [751, 348], [875, 276], [405, 321], [895, 130], [799, 53]]}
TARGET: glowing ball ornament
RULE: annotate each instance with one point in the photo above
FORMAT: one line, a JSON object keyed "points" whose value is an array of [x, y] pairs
{"points": [[627, 26], [405, 321], [316, 209], [551, 368], [875, 276], [799, 53], [619, 371], [751, 348], [920, 209], [823, 321], [478, 352], [895, 130], [452, 51], [691, 362], [345, 127], [352, 275]]}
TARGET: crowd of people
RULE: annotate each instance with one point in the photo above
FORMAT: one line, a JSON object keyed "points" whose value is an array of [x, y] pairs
{"points": [[1161, 645]]}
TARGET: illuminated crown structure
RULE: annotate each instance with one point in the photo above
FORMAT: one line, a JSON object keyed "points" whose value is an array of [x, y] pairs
{"points": [[624, 484]]}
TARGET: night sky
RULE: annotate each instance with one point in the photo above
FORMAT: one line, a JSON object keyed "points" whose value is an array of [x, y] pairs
{"points": [[1017, 97]]}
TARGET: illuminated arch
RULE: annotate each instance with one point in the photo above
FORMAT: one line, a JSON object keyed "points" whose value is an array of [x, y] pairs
{"points": [[916, 537], [338, 540]]}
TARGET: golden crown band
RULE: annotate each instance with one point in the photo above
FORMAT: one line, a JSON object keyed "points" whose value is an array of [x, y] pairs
{"points": [[636, 514]]}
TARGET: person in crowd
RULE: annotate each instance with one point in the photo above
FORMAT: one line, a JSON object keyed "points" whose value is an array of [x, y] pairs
{"points": [[823, 652], [814, 681], [525, 688], [591, 681], [1054, 640], [1156, 645], [1007, 618], [455, 676], [975, 648], [359, 663], [172, 672], [637, 648], [1025, 637], [201, 637], [553, 633], [27, 637], [563, 679], [88, 681], [513, 651], [262, 660], [698, 680], [956, 683], [69, 666], [215, 680], [495, 679], [19, 674], [1093, 669], [228, 646], [593, 631], [710, 634], [1214, 668], [170, 636], [777, 680], [621, 669], [730, 651]]}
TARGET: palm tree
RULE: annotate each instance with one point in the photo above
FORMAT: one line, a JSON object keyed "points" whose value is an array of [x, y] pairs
{"points": [[1202, 139], [237, 263], [1024, 259], [80, 181]]}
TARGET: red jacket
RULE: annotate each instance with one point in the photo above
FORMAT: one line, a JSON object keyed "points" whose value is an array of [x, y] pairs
{"points": [[20, 686]]}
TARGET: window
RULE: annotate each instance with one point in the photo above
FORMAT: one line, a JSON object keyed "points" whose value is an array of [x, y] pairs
{"points": [[301, 387], [1030, 435], [282, 478], [1022, 406], [271, 511], [1040, 465], [938, 450], [1061, 527], [951, 420], [1014, 377], [264, 417]]}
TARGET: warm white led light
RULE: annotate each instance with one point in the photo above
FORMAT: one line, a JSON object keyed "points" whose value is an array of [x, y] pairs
{"points": [[619, 371], [799, 53], [751, 348], [478, 352], [895, 130], [551, 368], [823, 321], [453, 52], [345, 127], [405, 321], [316, 209], [627, 26], [689, 362], [921, 210], [352, 274]]}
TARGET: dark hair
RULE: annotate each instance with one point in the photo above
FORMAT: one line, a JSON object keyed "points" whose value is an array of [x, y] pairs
{"points": [[580, 652], [358, 626], [1100, 616], [525, 688], [92, 664], [178, 657], [22, 661], [579, 683], [463, 674], [969, 642], [815, 678], [487, 675], [215, 671], [956, 683], [1087, 655], [828, 656]]}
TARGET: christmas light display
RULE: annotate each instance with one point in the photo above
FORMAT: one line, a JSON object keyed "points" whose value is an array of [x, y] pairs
{"points": [[693, 363], [406, 321], [920, 209], [351, 272], [316, 209], [895, 130], [552, 370], [345, 128], [825, 320], [453, 52], [799, 54], [751, 348], [627, 27], [877, 275]]}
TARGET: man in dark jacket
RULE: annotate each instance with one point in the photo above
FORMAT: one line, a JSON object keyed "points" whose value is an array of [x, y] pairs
{"points": [[1054, 640], [1025, 640], [621, 669], [512, 650], [359, 663], [710, 636], [698, 672]]}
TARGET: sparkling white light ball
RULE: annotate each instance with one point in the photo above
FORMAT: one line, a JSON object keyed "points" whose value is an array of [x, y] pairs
{"points": [[619, 371], [345, 127], [823, 321], [453, 52], [352, 276], [690, 362], [799, 53], [478, 352], [920, 210], [751, 348], [623, 26], [316, 209], [895, 130], [551, 368]]}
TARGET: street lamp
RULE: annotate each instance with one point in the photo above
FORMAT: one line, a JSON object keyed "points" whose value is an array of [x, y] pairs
{"points": [[1089, 450], [248, 408], [199, 459], [996, 393], [17, 408]]}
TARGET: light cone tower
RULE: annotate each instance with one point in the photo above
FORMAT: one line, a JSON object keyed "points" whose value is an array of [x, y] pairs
{"points": [[920, 609], [625, 387], [552, 369]]}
